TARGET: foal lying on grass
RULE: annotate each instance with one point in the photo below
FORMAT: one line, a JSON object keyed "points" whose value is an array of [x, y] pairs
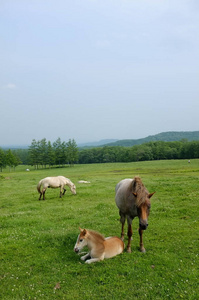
{"points": [[99, 247]]}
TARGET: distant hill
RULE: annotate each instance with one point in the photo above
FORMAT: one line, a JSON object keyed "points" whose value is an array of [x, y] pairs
{"points": [[14, 147], [97, 144], [170, 136]]}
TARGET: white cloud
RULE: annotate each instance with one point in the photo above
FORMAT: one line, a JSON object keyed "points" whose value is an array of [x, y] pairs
{"points": [[9, 86]]}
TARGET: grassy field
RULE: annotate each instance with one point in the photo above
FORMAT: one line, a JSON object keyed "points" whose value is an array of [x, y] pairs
{"points": [[37, 237]]}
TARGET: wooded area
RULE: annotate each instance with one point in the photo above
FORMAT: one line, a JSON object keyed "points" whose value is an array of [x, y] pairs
{"points": [[41, 154], [148, 151], [44, 154]]}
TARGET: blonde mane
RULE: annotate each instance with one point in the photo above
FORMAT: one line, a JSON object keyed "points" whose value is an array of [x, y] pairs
{"points": [[139, 189], [95, 236]]}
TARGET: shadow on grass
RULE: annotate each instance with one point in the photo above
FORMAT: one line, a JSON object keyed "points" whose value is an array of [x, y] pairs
{"points": [[67, 244]]}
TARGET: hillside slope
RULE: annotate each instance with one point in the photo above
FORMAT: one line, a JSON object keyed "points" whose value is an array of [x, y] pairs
{"points": [[170, 136]]}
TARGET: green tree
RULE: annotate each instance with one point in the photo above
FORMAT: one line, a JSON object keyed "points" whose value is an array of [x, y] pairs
{"points": [[57, 146], [16, 160], [11, 159], [2, 160], [72, 152], [86, 156], [23, 154], [50, 154], [34, 154], [42, 152]]}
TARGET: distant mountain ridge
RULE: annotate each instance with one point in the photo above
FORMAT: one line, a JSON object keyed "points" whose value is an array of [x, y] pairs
{"points": [[97, 144], [170, 136]]}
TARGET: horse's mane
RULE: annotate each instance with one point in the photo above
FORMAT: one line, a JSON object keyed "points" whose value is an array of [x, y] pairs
{"points": [[94, 235], [140, 190], [67, 180]]}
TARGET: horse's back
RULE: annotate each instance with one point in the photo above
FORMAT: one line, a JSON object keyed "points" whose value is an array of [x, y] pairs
{"points": [[45, 180], [63, 179], [123, 184], [113, 246], [51, 182], [121, 192]]}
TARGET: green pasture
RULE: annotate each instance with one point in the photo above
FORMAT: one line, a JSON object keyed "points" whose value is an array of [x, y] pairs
{"points": [[37, 260]]}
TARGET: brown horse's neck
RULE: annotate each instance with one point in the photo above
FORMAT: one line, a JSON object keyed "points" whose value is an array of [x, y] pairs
{"points": [[94, 238]]}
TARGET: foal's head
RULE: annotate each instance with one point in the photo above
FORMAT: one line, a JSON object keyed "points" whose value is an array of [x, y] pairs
{"points": [[81, 240]]}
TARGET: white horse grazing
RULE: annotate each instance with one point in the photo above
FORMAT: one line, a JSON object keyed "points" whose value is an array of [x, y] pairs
{"points": [[99, 246], [55, 182]]}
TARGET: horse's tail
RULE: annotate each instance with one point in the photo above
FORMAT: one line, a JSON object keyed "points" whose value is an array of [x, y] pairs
{"points": [[39, 186]]}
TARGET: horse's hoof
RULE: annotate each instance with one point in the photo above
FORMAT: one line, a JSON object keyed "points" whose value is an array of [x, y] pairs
{"points": [[129, 250], [142, 250], [88, 261]]}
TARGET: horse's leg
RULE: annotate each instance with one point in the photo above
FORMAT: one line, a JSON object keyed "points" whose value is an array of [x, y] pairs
{"points": [[142, 249], [44, 194], [89, 261], [43, 190], [86, 256], [122, 220], [130, 233], [61, 189], [64, 191], [92, 260]]}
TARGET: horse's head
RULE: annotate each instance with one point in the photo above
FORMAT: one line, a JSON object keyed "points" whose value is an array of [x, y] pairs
{"points": [[143, 210], [81, 240], [73, 189]]}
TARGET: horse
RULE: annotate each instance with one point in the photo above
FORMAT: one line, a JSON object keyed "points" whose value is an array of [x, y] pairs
{"points": [[99, 246], [55, 182], [133, 199]]}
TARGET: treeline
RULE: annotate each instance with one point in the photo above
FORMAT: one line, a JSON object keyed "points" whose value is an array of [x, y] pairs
{"points": [[149, 151], [44, 154], [41, 154], [9, 158]]}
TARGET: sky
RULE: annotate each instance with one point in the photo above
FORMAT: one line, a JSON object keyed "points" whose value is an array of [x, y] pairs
{"points": [[97, 69]]}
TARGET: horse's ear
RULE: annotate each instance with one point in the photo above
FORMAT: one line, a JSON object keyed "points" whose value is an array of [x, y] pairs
{"points": [[135, 194], [80, 229], [150, 195], [84, 231]]}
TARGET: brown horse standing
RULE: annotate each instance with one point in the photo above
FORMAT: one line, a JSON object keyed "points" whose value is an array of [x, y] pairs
{"points": [[133, 199]]}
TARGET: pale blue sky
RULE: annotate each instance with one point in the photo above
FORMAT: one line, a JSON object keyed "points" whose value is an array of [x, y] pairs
{"points": [[97, 69]]}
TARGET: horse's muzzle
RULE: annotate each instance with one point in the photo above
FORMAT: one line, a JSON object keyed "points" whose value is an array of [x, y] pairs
{"points": [[76, 250], [143, 226]]}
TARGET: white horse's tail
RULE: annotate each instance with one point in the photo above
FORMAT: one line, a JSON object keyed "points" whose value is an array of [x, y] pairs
{"points": [[39, 186]]}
